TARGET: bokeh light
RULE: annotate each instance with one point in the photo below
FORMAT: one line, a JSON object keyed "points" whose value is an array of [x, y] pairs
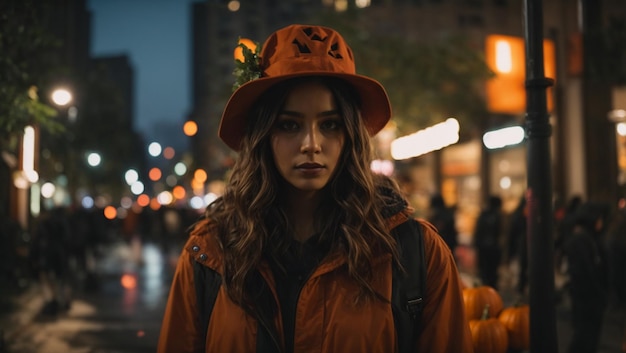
{"points": [[190, 128], [128, 281], [131, 176], [154, 149], [94, 159], [110, 212], [61, 97], [143, 200], [169, 152], [155, 174]]}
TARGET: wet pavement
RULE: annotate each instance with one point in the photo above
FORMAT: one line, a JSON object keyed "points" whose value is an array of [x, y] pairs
{"points": [[123, 313]]}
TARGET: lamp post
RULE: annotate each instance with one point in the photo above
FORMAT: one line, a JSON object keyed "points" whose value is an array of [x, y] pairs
{"points": [[543, 336], [63, 98]]}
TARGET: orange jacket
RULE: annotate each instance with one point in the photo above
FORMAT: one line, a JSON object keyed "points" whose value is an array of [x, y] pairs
{"points": [[326, 321]]}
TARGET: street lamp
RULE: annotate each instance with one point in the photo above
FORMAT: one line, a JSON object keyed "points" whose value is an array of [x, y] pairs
{"points": [[94, 159], [61, 97]]}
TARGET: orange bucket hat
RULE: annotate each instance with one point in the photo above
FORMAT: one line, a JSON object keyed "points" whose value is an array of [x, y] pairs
{"points": [[303, 50]]}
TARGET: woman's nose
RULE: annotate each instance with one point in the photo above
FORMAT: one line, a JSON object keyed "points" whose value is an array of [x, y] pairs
{"points": [[311, 141]]}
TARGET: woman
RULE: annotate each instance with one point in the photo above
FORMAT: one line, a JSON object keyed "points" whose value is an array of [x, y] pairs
{"points": [[302, 235]]}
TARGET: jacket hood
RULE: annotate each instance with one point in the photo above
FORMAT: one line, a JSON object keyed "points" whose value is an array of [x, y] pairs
{"points": [[393, 203]]}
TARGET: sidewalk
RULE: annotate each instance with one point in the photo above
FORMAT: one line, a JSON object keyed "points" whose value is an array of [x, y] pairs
{"points": [[18, 308], [104, 318]]}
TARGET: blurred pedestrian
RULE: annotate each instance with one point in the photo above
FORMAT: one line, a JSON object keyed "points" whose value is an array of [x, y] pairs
{"points": [[11, 269], [442, 217], [565, 220], [487, 238], [517, 249], [616, 245], [51, 255], [302, 236], [587, 268]]}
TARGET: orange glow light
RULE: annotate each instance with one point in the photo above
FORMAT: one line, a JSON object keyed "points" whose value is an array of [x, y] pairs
{"points": [[178, 192], [154, 174], [128, 281], [505, 55], [239, 51], [110, 212], [143, 200], [197, 184], [154, 204], [190, 128], [200, 175]]}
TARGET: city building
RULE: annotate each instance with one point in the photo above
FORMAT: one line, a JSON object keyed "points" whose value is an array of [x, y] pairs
{"points": [[96, 116]]}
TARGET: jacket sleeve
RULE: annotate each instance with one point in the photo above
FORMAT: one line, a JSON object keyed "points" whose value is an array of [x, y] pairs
{"points": [[443, 325], [180, 327]]}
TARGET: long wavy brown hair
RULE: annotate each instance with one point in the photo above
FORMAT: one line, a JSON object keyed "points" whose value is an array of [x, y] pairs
{"points": [[251, 222]]}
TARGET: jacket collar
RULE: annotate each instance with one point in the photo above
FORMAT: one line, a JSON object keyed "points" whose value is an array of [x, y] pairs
{"points": [[204, 246]]}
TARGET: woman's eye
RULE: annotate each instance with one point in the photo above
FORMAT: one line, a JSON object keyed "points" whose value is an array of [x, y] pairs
{"points": [[332, 124], [287, 125]]}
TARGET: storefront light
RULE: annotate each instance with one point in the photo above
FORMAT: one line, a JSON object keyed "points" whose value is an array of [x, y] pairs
{"points": [[28, 155], [381, 166], [424, 141], [504, 60], [503, 137]]}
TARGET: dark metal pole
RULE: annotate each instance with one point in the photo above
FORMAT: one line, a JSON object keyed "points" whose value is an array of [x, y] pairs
{"points": [[543, 337]]}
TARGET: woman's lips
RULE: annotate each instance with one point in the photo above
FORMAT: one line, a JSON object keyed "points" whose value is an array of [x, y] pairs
{"points": [[310, 168]]}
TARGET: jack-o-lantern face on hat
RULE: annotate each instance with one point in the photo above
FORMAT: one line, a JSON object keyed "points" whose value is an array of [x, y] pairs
{"points": [[313, 37], [304, 50]]}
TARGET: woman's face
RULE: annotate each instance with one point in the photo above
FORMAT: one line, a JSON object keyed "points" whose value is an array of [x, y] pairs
{"points": [[308, 137]]}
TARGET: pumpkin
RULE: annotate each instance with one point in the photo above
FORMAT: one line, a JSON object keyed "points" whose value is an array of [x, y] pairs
{"points": [[516, 319], [488, 334], [476, 298]]}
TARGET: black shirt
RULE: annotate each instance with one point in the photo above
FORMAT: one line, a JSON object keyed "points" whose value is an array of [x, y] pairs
{"points": [[296, 265]]}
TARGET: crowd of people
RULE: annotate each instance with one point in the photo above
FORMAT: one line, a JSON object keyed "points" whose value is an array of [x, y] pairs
{"points": [[61, 249]]}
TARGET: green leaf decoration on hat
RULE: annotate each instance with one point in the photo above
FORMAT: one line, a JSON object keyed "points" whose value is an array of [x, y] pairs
{"points": [[250, 68]]}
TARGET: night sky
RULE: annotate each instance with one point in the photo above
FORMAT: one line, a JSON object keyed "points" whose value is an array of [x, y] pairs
{"points": [[155, 34]]}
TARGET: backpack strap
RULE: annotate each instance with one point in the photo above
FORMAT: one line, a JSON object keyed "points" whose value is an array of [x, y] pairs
{"points": [[408, 287], [207, 283]]}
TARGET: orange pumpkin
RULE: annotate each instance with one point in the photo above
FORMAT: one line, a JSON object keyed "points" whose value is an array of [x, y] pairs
{"points": [[516, 319], [476, 298], [488, 334]]}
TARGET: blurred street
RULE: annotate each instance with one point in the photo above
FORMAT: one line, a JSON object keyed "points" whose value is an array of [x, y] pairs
{"points": [[104, 318], [110, 318]]}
